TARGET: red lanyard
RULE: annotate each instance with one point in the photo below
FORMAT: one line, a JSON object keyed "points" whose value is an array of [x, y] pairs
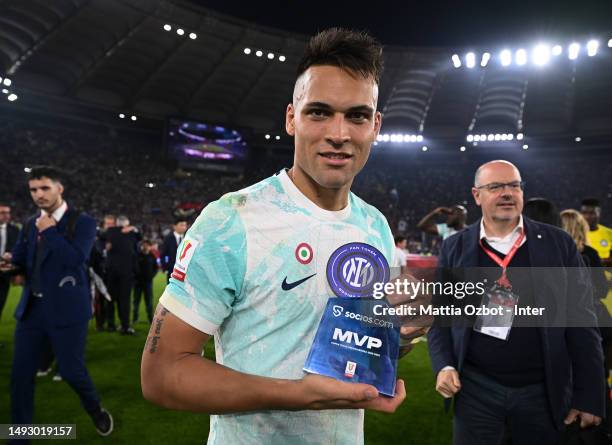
{"points": [[503, 280]]}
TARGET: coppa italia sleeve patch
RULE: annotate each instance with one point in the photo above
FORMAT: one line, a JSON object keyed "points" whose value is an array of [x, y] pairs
{"points": [[183, 258]]}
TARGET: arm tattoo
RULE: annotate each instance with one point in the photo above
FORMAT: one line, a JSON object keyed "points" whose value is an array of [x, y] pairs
{"points": [[155, 331]]}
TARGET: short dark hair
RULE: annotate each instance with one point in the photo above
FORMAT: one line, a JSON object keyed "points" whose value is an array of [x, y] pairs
{"points": [[353, 51], [180, 219], [46, 171], [591, 202], [4, 204], [542, 210], [399, 239]]}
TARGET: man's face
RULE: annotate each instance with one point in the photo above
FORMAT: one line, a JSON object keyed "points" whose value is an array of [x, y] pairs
{"points": [[180, 227], [334, 121], [109, 222], [457, 216], [5, 214], [402, 244], [145, 248], [504, 205], [46, 193], [591, 214]]}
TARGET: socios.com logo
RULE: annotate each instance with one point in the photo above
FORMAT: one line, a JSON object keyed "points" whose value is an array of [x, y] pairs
{"points": [[354, 269], [337, 310]]}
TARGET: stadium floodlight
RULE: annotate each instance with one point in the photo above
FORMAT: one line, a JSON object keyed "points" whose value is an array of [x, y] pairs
{"points": [[385, 138], [281, 58], [462, 148], [519, 136], [578, 139], [506, 57], [167, 27], [247, 51], [180, 31], [510, 136], [259, 53], [456, 61], [406, 138], [525, 147], [12, 97], [504, 137], [121, 116], [520, 57], [470, 60], [419, 138], [193, 35], [378, 138], [592, 47], [485, 59], [573, 50], [413, 138], [424, 148], [541, 54], [483, 137], [469, 138], [277, 137], [270, 56], [267, 136], [498, 137], [27, 169], [133, 117], [490, 137], [610, 43], [0, 79], [557, 50], [5, 91], [7, 81]]}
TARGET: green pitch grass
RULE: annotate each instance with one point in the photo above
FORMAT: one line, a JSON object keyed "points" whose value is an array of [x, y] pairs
{"points": [[114, 364]]}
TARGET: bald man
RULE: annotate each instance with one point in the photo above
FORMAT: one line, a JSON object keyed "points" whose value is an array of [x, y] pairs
{"points": [[519, 379]]}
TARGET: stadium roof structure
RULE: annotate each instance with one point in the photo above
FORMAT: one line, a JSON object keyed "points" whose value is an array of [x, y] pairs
{"points": [[105, 57]]}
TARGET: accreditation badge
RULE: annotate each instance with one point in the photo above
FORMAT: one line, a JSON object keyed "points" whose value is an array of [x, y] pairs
{"points": [[496, 312]]}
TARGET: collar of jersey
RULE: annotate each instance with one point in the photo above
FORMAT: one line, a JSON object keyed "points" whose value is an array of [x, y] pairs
{"points": [[301, 200]]}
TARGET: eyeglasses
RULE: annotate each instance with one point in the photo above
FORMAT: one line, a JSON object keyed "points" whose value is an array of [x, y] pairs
{"points": [[498, 187]]}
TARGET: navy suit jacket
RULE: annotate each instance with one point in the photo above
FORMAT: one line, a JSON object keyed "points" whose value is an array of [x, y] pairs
{"points": [[168, 252], [573, 356], [64, 278]]}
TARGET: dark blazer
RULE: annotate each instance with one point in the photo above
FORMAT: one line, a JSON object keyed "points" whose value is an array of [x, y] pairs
{"points": [[123, 254], [573, 357], [168, 252], [12, 234], [64, 281]]}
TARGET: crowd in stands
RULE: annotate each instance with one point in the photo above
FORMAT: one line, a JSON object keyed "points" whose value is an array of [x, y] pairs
{"points": [[114, 174]]}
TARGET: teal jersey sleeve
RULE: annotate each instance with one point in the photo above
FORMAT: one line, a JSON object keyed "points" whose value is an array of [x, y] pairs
{"points": [[210, 267]]}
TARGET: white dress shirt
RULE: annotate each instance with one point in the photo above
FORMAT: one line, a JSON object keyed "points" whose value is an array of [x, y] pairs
{"points": [[503, 244], [3, 240]]}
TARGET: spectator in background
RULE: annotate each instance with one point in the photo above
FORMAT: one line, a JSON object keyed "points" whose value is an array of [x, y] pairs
{"points": [[400, 254], [8, 237], [147, 268], [599, 236], [170, 245], [455, 221], [542, 210], [121, 245]]}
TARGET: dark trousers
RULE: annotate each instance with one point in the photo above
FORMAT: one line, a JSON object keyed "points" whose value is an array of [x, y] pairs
{"points": [[485, 411], [5, 285], [68, 344], [119, 286], [145, 288]]}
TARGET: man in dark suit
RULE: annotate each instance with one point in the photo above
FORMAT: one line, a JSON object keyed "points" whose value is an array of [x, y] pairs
{"points": [[170, 245], [121, 267], [55, 305], [528, 381], [8, 237]]}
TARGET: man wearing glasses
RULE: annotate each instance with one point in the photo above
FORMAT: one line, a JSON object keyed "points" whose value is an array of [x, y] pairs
{"points": [[530, 380]]}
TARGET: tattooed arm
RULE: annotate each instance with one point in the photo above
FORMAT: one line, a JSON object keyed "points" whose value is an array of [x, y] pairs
{"points": [[175, 375]]}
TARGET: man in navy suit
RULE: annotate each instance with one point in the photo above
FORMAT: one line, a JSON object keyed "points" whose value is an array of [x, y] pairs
{"points": [[170, 245], [55, 305], [527, 382]]}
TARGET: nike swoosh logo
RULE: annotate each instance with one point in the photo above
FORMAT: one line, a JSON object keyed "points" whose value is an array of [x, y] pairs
{"points": [[289, 286]]}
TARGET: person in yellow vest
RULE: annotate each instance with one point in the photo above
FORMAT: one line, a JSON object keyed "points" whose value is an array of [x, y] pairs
{"points": [[599, 236]]}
